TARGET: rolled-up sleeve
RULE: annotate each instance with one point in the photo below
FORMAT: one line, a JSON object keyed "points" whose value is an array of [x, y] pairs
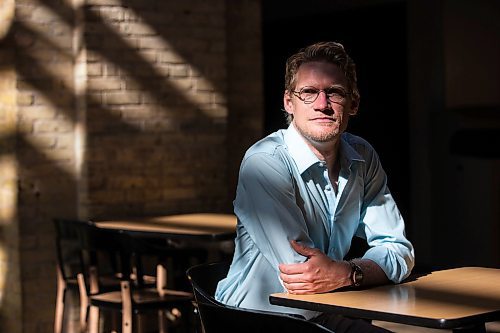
{"points": [[383, 225]]}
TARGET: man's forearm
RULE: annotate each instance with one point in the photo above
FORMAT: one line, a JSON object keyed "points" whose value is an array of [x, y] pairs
{"points": [[372, 273]]}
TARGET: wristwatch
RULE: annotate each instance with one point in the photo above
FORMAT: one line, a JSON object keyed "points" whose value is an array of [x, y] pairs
{"points": [[356, 274]]}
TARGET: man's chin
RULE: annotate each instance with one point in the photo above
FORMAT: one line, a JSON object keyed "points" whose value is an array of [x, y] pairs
{"points": [[320, 133], [323, 137], [325, 133]]}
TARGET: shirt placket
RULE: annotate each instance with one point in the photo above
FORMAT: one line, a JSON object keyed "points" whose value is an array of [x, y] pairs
{"points": [[330, 196]]}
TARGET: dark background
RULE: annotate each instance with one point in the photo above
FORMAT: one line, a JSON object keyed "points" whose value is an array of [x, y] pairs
{"points": [[375, 38]]}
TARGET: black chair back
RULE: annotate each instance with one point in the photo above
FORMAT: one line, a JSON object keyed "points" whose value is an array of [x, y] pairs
{"points": [[100, 252], [67, 249], [69, 267], [218, 317], [204, 279]]}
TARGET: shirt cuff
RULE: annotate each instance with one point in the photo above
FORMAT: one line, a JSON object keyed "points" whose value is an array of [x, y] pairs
{"points": [[393, 265]]}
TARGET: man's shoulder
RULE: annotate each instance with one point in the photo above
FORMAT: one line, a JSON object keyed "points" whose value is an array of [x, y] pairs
{"points": [[359, 144], [267, 145]]}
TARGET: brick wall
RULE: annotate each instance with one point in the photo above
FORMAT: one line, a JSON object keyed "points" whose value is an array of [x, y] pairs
{"points": [[157, 107], [10, 287], [45, 154], [245, 82], [112, 108]]}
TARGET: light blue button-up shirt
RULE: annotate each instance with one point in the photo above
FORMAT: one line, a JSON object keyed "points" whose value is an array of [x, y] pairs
{"points": [[284, 194]]}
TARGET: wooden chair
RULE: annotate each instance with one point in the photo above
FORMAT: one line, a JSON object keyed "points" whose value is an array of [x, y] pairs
{"points": [[72, 275], [217, 317], [69, 268], [134, 296]]}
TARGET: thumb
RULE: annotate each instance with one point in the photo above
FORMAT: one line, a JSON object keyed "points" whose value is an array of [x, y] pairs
{"points": [[302, 249]]}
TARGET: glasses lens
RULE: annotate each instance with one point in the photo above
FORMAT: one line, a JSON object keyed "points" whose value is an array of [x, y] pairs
{"points": [[336, 94], [309, 94]]}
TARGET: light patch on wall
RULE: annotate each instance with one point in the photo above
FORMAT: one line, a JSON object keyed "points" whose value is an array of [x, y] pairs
{"points": [[169, 65], [44, 145], [7, 188], [8, 176], [8, 204], [54, 36], [7, 10]]}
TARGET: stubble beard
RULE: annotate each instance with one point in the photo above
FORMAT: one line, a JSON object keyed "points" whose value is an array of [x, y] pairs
{"points": [[327, 134]]}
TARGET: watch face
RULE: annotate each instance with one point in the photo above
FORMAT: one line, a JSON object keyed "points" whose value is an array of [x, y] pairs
{"points": [[357, 275]]}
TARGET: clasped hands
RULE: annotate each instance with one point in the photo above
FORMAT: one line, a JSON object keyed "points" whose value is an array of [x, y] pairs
{"points": [[317, 274]]}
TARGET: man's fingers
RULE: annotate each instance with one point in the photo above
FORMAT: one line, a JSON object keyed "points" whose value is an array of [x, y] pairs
{"points": [[298, 288], [302, 249], [291, 268], [293, 278], [298, 268]]}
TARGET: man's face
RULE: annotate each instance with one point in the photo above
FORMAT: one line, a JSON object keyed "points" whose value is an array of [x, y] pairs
{"points": [[323, 120]]}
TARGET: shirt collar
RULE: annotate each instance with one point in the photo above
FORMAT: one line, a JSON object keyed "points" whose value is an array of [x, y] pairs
{"points": [[299, 150], [304, 157], [347, 152]]}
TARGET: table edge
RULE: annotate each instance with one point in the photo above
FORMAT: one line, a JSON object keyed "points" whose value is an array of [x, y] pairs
{"points": [[222, 236], [440, 323]]}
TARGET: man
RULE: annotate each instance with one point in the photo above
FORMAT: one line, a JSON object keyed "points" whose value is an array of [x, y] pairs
{"points": [[304, 192]]}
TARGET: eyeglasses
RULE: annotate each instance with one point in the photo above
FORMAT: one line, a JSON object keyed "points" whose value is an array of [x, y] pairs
{"points": [[309, 94]]}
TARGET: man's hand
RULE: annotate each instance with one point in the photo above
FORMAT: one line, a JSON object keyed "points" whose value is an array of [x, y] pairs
{"points": [[316, 275]]}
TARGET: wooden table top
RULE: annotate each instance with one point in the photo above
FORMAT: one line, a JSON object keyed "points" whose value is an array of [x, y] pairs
{"points": [[441, 299], [204, 225]]}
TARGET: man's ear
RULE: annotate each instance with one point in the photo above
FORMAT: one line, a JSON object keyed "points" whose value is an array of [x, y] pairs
{"points": [[287, 102], [354, 107]]}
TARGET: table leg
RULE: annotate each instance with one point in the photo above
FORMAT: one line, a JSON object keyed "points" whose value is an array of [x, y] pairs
{"points": [[161, 278]]}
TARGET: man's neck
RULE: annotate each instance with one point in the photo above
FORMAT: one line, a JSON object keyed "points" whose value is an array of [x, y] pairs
{"points": [[326, 151], [329, 152]]}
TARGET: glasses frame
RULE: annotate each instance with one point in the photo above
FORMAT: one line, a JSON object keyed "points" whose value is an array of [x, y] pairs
{"points": [[297, 93]]}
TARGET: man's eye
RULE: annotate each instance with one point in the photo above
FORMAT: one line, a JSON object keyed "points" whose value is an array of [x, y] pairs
{"points": [[309, 91], [335, 92]]}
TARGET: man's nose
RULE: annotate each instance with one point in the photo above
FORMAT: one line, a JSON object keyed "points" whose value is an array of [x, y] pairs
{"points": [[322, 101]]}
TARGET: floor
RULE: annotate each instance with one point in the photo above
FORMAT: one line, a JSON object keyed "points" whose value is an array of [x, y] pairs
{"points": [[493, 327]]}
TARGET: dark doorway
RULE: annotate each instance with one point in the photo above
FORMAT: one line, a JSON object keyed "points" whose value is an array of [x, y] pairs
{"points": [[375, 37]]}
